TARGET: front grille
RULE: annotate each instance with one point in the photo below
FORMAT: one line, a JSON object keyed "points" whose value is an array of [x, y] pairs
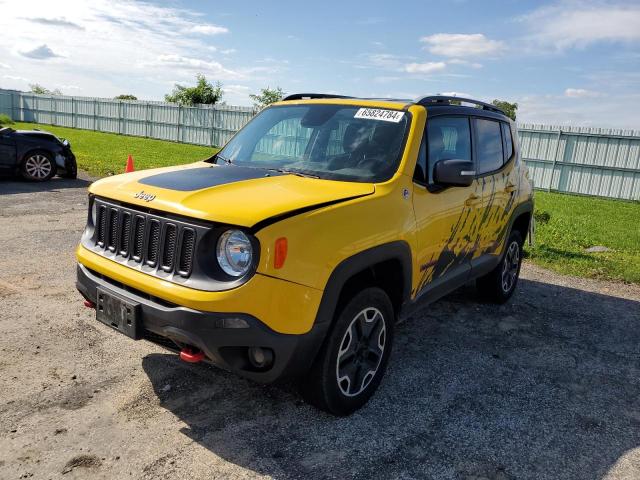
{"points": [[186, 251], [153, 243], [113, 229], [125, 234], [101, 225], [150, 240], [169, 252], [138, 239]]}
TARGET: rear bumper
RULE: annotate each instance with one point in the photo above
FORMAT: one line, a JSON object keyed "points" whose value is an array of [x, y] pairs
{"points": [[216, 334]]}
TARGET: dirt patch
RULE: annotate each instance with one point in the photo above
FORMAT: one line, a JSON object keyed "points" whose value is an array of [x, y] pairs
{"points": [[81, 461], [545, 386]]}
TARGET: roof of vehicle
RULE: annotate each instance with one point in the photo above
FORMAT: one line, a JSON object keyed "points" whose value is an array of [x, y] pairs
{"points": [[427, 101]]}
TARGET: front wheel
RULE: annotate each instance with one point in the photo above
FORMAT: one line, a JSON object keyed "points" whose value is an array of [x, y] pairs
{"points": [[352, 361], [499, 284], [38, 167]]}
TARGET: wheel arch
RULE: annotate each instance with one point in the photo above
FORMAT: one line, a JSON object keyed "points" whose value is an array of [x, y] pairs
{"points": [[387, 266], [30, 151], [521, 218]]}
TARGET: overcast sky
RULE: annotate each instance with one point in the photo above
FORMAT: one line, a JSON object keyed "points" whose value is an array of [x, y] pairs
{"points": [[563, 62]]}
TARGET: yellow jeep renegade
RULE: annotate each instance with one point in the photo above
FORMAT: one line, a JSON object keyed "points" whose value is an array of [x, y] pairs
{"points": [[294, 250]]}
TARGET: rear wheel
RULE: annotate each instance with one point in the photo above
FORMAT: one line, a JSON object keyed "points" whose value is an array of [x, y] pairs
{"points": [[38, 167], [499, 284], [351, 364]]}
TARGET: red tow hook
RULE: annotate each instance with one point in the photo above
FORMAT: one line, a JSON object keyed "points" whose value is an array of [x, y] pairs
{"points": [[89, 304], [192, 356]]}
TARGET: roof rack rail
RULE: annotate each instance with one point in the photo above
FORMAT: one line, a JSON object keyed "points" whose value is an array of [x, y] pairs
{"points": [[447, 100], [310, 96]]}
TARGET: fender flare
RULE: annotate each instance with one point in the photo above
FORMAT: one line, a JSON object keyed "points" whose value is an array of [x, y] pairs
{"points": [[524, 207], [397, 250]]}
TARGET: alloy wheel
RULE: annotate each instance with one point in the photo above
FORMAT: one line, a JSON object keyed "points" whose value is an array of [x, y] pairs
{"points": [[38, 166], [510, 266], [361, 351]]}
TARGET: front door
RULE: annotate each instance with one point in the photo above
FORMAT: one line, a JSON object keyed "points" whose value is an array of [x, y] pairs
{"points": [[445, 217], [7, 150]]}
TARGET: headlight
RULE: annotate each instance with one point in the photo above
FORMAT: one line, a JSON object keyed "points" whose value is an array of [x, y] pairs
{"points": [[234, 253]]}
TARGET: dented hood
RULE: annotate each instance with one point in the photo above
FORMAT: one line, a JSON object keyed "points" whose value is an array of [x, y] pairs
{"points": [[229, 194]]}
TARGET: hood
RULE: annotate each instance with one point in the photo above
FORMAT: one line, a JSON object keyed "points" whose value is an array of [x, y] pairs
{"points": [[228, 194], [36, 133], [39, 135]]}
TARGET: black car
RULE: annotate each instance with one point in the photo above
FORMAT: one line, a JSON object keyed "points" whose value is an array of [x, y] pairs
{"points": [[36, 155]]}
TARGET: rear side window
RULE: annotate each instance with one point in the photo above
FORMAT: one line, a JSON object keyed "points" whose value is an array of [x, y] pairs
{"points": [[447, 137], [488, 145], [508, 142]]}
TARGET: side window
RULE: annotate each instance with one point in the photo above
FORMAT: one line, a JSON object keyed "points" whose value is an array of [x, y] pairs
{"points": [[488, 145], [508, 141], [447, 137]]}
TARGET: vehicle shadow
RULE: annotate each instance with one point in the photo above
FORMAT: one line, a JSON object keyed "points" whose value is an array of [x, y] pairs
{"points": [[544, 387], [13, 185]]}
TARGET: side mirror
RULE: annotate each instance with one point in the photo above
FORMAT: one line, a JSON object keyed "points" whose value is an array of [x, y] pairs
{"points": [[454, 172]]}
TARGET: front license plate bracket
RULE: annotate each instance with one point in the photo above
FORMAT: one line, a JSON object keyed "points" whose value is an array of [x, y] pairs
{"points": [[118, 312]]}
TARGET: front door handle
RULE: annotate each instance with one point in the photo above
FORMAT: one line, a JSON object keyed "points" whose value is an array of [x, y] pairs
{"points": [[472, 200], [509, 187]]}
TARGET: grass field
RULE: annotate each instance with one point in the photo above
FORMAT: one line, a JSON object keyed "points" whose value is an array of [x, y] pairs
{"points": [[103, 154], [575, 222]]}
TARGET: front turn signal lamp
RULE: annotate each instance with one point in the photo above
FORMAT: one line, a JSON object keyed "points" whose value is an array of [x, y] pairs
{"points": [[280, 252]]}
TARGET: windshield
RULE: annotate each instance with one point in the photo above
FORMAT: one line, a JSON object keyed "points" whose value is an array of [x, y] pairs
{"points": [[337, 142]]}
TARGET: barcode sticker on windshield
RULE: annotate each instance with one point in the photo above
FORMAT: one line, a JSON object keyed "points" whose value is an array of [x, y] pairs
{"points": [[379, 114]]}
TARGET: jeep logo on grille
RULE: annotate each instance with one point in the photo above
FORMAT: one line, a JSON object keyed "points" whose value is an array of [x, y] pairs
{"points": [[147, 197]]}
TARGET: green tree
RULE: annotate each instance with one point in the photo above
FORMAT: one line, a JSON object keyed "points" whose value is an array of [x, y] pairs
{"points": [[267, 97], [204, 92], [39, 89], [126, 96], [508, 108]]}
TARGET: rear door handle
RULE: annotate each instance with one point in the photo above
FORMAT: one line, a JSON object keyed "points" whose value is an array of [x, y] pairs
{"points": [[509, 187], [473, 199]]}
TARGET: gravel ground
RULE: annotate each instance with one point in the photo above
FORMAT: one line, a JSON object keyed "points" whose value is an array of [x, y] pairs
{"points": [[545, 387]]}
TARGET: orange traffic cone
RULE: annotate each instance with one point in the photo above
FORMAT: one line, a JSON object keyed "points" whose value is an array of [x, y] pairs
{"points": [[129, 167]]}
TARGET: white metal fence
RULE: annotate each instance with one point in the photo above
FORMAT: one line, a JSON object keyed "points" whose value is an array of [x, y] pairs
{"points": [[589, 161], [583, 160], [202, 124]]}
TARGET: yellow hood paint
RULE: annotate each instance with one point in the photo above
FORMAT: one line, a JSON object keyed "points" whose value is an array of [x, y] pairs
{"points": [[243, 203]]}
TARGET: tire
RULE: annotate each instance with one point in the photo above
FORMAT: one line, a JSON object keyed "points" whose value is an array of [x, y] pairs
{"points": [[341, 388], [38, 166], [498, 285]]}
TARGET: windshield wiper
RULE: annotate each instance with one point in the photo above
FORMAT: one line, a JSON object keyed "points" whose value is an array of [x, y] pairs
{"points": [[295, 172], [225, 160]]}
